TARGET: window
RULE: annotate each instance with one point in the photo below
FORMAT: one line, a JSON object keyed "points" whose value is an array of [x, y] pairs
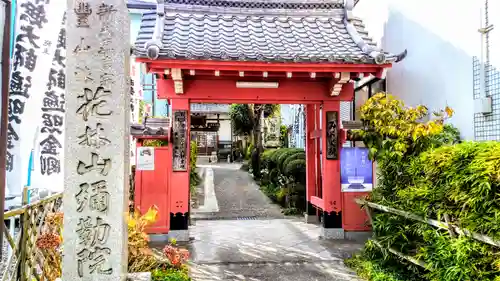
{"points": [[365, 91]]}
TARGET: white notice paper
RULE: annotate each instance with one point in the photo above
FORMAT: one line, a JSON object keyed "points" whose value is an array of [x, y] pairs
{"points": [[145, 159]]}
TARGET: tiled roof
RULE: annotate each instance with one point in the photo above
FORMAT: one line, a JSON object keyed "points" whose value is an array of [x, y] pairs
{"points": [[270, 31], [151, 127], [141, 4]]}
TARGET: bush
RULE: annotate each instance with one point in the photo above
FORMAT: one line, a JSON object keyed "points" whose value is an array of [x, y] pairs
{"points": [[462, 181], [297, 170], [169, 275], [285, 187], [265, 158], [193, 155], [141, 258], [289, 152], [274, 157], [248, 152], [371, 264], [194, 178], [155, 143], [297, 155], [426, 171]]}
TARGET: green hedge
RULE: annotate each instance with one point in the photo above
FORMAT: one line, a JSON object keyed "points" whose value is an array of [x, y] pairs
{"points": [[284, 178], [194, 178], [460, 180]]}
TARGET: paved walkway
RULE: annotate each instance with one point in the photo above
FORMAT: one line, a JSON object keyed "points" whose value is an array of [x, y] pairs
{"points": [[236, 195], [249, 239]]}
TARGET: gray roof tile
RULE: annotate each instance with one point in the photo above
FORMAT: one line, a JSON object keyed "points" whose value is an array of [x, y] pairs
{"points": [[245, 30]]}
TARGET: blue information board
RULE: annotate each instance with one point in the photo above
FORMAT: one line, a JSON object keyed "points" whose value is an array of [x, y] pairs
{"points": [[356, 170]]}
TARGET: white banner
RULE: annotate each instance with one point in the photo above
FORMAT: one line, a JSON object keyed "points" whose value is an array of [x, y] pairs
{"points": [[38, 23], [49, 145]]}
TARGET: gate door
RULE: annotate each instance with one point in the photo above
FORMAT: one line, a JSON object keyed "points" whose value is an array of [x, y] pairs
{"points": [[152, 187]]}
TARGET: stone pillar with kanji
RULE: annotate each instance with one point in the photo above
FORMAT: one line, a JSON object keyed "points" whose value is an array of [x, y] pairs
{"points": [[97, 141]]}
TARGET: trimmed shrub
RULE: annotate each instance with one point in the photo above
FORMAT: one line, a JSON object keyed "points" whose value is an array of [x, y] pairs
{"points": [[285, 187], [265, 157], [297, 155], [296, 169], [277, 153], [273, 176], [285, 155]]}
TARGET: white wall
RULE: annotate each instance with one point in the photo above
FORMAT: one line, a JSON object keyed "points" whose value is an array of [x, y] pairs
{"points": [[494, 17], [225, 125], [225, 130], [441, 38]]}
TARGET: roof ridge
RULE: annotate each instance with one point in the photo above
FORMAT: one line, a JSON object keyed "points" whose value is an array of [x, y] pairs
{"points": [[336, 36]]}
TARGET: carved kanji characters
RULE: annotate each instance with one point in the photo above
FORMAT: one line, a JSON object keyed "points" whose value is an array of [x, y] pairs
{"points": [[93, 103], [102, 165], [94, 261]]}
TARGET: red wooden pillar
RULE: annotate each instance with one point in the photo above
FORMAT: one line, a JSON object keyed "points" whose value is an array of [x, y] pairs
{"points": [[311, 177], [317, 147], [179, 199], [332, 195]]}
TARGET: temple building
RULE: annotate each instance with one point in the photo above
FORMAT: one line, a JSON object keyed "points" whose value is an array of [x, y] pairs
{"points": [[305, 53]]}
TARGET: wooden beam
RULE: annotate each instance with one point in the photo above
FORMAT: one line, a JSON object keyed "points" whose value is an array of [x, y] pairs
{"points": [[318, 202], [264, 66], [225, 91], [177, 78], [344, 77]]}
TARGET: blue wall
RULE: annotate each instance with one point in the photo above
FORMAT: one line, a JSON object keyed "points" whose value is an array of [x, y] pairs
{"points": [[147, 79]]}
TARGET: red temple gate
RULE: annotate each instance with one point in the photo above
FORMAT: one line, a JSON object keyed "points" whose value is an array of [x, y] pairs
{"points": [[248, 52]]}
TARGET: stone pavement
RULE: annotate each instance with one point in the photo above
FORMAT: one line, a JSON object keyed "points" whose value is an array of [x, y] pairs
{"points": [[249, 239]]}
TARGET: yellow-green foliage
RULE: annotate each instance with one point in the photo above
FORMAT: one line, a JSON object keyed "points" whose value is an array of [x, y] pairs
{"points": [[423, 170], [462, 181], [193, 154], [392, 129], [140, 257], [194, 178], [155, 143]]}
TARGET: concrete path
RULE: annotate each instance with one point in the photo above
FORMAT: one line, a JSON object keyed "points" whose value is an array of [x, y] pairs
{"points": [[249, 239], [230, 193]]}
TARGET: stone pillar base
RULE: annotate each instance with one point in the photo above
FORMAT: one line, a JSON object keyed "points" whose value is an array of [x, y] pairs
{"points": [[179, 235], [332, 233], [139, 276], [312, 219], [361, 236]]}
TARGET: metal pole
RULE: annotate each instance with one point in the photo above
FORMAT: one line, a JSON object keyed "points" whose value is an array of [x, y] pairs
{"points": [[4, 113]]}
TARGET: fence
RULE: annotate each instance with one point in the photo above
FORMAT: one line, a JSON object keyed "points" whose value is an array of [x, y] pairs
{"points": [[446, 225], [27, 260]]}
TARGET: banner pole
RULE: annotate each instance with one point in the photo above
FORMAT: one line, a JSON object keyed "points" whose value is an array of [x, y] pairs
{"points": [[4, 113]]}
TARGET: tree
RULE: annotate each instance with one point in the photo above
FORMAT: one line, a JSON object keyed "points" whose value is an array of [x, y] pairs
{"points": [[241, 119], [246, 120]]}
